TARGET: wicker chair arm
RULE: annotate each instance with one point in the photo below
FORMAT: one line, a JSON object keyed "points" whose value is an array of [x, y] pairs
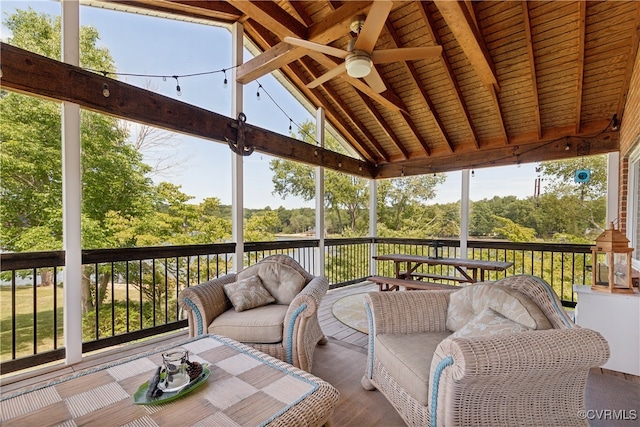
{"points": [[526, 374], [204, 302], [408, 311]]}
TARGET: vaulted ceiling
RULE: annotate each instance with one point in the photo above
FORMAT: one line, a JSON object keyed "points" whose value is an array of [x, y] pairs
{"points": [[514, 81]]}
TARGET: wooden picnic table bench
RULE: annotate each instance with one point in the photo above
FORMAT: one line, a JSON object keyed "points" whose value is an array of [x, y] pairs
{"points": [[393, 283]]}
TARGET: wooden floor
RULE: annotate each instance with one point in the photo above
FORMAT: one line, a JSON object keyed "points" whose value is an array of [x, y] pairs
{"points": [[341, 362]]}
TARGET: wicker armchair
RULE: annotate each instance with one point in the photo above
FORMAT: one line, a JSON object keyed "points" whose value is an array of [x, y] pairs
{"points": [[530, 378], [295, 325]]}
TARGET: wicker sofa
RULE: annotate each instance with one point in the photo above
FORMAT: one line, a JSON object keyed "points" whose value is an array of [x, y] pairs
{"points": [[287, 329], [524, 378]]}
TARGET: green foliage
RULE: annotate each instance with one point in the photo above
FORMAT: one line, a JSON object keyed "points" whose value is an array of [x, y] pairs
{"points": [[513, 232]]}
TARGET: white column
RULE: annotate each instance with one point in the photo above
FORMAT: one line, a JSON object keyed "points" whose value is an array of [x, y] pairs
{"points": [[613, 184], [464, 214], [237, 177], [373, 222], [319, 267], [71, 192]]}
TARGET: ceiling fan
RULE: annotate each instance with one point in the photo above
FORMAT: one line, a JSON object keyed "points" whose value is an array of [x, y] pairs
{"points": [[360, 54]]}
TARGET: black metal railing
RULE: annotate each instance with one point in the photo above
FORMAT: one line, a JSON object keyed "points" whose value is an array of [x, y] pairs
{"points": [[132, 293]]}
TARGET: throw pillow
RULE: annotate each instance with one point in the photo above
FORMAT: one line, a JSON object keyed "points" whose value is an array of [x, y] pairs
{"points": [[488, 322], [248, 293], [282, 281]]}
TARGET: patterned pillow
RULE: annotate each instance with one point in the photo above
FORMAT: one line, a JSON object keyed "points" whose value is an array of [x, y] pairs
{"points": [[489, 323], [248, 293]]}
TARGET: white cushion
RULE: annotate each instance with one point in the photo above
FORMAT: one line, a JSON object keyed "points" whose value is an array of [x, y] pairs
{"points": [[282, 281], [471, 300], [489, 323], [259, 325]]}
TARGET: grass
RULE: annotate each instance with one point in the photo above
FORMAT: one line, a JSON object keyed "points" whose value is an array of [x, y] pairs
{"points": [[28, 341]]}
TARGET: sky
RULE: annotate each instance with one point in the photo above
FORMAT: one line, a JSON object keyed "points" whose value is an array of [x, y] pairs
{"points": [[155, 46]]}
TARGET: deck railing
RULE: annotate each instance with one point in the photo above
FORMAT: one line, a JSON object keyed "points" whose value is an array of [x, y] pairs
{"points": [[131, 293]]}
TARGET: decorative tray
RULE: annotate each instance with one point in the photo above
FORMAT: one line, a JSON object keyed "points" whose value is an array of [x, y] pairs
{"points": [[140, 397]]}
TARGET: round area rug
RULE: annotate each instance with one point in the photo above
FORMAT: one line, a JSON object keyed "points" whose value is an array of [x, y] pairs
{"points": [[350, 311]]}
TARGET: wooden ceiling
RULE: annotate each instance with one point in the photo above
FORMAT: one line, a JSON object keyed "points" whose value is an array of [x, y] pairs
{"points": [[515, 82]]}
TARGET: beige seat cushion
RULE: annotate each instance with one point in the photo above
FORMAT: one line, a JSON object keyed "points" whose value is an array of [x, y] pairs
{"points": [[258, 325], [407, 358], [282, 281], [472, 300]]}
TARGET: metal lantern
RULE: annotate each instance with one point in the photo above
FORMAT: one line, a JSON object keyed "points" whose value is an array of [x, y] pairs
{"points": [[612, 262]]}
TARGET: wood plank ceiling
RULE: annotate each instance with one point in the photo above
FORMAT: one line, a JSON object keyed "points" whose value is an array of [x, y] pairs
{"points": [[515, 81]]}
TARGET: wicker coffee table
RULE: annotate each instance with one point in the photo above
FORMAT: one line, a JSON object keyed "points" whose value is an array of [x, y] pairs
{"points": [[245, 388]]}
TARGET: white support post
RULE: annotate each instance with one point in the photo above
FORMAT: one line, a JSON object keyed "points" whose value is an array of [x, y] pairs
{"points": [[464, 214], [373, 223], [237, 164], [613, 184], [71, 193], [319, 267]]}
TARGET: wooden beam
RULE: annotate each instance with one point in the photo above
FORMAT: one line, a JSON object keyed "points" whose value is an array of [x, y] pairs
{"points": [[633, 51], [411, 69], [461, 24], [300, 10], [27, 72], [272, 16], [216, 11], [337, 23], [504, 155], [532, 67], [428, 23], [268, 61]]}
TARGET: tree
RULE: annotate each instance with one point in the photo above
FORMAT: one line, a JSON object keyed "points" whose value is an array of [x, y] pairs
{"points": [[342, 192]]}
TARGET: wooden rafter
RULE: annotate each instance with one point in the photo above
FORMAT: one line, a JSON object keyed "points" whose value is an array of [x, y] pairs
{"points": [[464, 30], [302, 13], [427, 19], [268, 61], [411, 69], [271, 16], [219, 11], [633, 51]]}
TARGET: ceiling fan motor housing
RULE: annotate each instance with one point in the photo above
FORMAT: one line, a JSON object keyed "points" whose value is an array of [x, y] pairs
{"points": [[358, 64]]}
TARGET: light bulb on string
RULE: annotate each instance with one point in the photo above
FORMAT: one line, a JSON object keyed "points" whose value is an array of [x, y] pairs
{"points": [[290, 121], [178, 86], [473, 173], [225, 78], [258, 92], [105, 90]]}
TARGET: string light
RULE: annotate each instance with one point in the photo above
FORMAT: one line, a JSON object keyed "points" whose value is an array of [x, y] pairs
{"points": [[290, 121], [225, 83], [473, 173], [105, 90], [177, 86], [258, 92]]}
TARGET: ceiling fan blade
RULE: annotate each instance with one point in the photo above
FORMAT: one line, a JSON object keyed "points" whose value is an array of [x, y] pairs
{"points": [[374, 80], [328, 75], [329, 50], [405, 54], [373, 25]]}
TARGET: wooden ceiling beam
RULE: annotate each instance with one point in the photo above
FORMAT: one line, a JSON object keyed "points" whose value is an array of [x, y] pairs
{"points": [[219, 11], [461, 24], [459, 99], [532, 67], [503, 156], [411, 69], [301, 12], [272, 16], [270, 60], [27, 72], [337, 23]]}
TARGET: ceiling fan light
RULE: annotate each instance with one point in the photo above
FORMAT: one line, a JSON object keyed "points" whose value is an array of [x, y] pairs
{"points": [[358, 64]]}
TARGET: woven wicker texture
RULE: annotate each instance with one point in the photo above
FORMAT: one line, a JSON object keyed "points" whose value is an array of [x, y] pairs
{"points": [[204, 302], [531, 378], [245, 388]]}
